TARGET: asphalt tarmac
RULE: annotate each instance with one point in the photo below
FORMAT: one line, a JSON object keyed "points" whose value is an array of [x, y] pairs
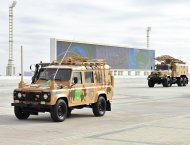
{"points": [[139, 116]]}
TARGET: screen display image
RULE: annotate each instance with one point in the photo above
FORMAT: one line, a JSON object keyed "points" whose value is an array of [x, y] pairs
{"points": [[116, 57], [76, 49], [141, 58]]}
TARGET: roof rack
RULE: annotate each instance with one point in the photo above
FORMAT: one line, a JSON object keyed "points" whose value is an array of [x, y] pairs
{"points": [[79, 60], [168, 59]]}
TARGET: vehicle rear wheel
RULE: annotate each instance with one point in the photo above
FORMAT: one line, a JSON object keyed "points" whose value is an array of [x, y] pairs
{"points": [[20, 113], [170, 82], [179, 81], [151, 83], [166, 82], [59, 111], [99, 108], [184, 81]]}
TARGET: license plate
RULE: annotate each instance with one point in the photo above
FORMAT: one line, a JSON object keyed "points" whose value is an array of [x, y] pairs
{"points": [[43, 102], [16, 101]]}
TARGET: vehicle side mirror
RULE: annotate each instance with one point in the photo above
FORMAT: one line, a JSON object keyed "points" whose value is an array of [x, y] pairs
{"points": [[32, 67], [75, 80]]}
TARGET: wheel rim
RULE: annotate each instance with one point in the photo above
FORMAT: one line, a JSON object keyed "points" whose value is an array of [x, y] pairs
{"points": [[101, 107], [61, 111]]}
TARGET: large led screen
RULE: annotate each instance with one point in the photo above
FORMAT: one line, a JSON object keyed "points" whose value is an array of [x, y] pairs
{"points": [[76, 49], [116, 57], [141, 58]]}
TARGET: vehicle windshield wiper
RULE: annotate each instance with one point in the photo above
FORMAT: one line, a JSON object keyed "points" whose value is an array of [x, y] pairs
{"points": [[58, 79]]}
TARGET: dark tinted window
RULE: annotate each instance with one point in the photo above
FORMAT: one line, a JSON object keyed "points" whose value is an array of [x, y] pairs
{"points": [[79, 76], [89, 77], [162, 67], [48, 74], [99, 77]]}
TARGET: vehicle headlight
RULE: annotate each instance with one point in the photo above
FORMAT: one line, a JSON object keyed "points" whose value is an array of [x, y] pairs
{"points": [[19, 95], [45, 96]]}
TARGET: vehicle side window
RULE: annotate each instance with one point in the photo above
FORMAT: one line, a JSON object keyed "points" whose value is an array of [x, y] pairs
{"points": [[99, 77], [79, 76], [89, 77]]}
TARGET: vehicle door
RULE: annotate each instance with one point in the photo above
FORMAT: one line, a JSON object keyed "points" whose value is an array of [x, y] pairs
{"points": [[76, 91]]}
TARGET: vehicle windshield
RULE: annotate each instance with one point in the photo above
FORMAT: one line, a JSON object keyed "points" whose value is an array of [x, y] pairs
{"points": [[48, 74], [162, 67]]}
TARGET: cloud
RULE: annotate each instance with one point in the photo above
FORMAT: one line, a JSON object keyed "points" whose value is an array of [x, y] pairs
{"points": [[32, 20], [157, 3], [118, 22]]}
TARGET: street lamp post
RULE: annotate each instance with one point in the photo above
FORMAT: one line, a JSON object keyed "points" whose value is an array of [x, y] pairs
{"points": [[148, 37], [10, 70]]}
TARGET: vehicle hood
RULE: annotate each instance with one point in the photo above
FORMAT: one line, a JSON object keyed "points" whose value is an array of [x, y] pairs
{"points": [[35, 87], [161, 73], [44, 86]]}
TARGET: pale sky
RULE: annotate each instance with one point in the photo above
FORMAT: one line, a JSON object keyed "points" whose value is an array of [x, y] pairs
{"points": [[117, 22]]}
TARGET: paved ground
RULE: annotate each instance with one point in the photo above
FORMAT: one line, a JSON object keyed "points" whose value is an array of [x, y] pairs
{"points": [[139, 116]]}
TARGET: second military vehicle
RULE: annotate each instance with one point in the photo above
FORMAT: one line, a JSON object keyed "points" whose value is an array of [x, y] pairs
{"points": [[58, 88], [169, 71]]}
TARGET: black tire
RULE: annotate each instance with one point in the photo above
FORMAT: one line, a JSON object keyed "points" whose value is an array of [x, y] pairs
{"points": [[166, 82], [180, 82], [20, 113], [99, 108], [170, 82], [59, 111], [184, 81], [151, 83]]}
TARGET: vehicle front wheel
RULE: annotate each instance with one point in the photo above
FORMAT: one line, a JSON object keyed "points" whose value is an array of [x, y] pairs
{"points": [[59, 111], [99, 108], [180, 82], [20, 113], [151, 83], [166, 82]]}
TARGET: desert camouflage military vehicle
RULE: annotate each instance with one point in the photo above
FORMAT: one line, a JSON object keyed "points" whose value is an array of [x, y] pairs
{"points": [[74, 83], [169, 71]]}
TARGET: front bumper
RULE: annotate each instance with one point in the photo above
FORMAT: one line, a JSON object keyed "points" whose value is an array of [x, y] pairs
{"points": [[157, 80], [33, 107]]}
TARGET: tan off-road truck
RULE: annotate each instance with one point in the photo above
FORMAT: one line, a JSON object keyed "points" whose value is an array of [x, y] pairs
{"points": [[169, 71], [74, 83]]}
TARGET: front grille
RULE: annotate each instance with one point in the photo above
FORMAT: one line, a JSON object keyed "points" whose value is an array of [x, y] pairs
{"points": [[32, 96]]}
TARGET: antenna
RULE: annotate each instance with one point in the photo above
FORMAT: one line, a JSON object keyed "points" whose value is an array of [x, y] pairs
{"points": [[59, 64], [21, 84], [21, 64], [62, 60]]}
